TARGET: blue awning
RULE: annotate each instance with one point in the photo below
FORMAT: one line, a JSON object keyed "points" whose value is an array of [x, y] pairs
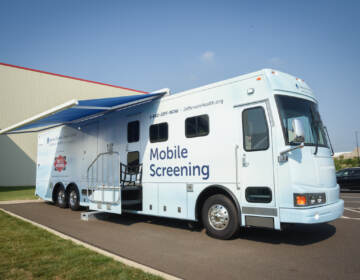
{"points": [[75, 111]]}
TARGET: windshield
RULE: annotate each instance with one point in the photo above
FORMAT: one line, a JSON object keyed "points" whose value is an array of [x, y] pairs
{"points": [[291, 108]]}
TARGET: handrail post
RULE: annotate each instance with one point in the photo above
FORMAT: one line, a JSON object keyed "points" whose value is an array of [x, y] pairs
{"points": [[109, 171]]}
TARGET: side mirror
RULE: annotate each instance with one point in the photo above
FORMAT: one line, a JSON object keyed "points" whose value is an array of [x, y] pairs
{"points": [[299, 134], [298, 131]]}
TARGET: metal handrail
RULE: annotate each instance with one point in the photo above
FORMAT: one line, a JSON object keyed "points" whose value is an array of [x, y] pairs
{"points": [[103, 188], [99, 155], [237, 167]]}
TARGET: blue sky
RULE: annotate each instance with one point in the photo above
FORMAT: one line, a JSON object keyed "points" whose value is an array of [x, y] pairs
{"points": [[148, 45]]}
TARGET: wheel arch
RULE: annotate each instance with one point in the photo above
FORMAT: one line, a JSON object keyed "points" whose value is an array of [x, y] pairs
{"points": [[70, 186], [212, 190]]}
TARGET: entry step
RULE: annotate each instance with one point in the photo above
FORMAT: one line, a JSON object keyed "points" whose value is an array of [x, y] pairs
{"points": [[131, 188], [92, 215], [131, 202]]}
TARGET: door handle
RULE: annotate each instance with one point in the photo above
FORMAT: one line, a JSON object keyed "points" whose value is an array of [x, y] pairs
{"points": [[237, 167], [244, 162]]}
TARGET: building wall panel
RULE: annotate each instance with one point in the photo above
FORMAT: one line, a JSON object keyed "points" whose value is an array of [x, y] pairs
{"points": [[25, 93]]}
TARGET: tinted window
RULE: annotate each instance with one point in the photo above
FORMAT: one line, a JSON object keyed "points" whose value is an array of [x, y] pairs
{"points": [[197, 126], [356, 173], [158, 132], [255, 130], [133, 161], [258, 194], [133, 131]]}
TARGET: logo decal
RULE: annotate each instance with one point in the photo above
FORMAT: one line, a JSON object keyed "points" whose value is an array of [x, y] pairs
{"points": [[60, 163]]}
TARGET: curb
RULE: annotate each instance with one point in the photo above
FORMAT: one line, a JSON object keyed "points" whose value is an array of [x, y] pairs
{"points": [[6, 202], [125, 261]]}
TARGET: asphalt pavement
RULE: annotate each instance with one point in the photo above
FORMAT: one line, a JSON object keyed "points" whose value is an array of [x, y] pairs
{"points": [[324, 251]]}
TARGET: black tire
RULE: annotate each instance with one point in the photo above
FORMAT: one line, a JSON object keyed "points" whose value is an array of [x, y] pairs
{"points": [[74, 199], [224, 225], [61, 197]]}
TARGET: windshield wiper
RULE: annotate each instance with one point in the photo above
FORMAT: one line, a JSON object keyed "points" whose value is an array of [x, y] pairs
{"points": [[327, 134], [316, 123], [316, 126]]}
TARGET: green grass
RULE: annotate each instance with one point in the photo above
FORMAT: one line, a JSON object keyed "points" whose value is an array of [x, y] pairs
{"points": [[341, 163], [17, 193], [28, 252]]}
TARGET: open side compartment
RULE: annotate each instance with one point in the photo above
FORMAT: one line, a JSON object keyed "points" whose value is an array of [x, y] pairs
{"points": [[131, 186]]}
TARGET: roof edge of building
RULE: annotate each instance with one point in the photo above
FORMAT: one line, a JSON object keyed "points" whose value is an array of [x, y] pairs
{"points": [[69, 77]]}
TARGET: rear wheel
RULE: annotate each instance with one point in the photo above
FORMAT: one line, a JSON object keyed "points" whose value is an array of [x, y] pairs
{"points": [[61, 197], [219, 216], [74, 199]]}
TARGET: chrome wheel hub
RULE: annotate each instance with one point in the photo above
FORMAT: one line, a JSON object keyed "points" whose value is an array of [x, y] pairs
{"points": [[218, 217], [73, 198], [61, 197]]}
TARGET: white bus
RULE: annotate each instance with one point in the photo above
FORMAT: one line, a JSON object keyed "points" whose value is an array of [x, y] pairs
{"points": [[248, 151]]}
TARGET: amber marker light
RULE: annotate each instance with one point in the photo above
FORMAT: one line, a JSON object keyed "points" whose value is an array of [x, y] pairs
{"points": [[258, 78], [300, 200]]}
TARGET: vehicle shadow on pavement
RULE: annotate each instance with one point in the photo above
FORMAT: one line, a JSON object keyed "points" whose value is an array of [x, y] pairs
{"points": [[350, 191], [299, 235], [129, 219]]}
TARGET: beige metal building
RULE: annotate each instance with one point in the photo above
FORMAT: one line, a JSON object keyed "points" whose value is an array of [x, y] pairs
{"points": [[353, 154], [25, 92]]}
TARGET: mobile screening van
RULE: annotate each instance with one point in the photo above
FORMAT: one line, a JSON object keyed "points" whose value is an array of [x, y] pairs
{"points": [[248, 151]]}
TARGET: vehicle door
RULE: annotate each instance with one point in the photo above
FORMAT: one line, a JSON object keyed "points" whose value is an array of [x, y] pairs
{"points": [[345, 179], [131, 154], [355, 180], [339, 177], [255, 155]]}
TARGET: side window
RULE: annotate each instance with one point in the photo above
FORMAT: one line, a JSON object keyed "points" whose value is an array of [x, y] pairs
{"points": [[133, 161], [255, 130], [197, 126], [133, 131], [159, 132], [258, 194]]}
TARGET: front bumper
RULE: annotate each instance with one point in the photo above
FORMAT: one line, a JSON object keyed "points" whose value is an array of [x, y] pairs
{"points": [[315, 215]]}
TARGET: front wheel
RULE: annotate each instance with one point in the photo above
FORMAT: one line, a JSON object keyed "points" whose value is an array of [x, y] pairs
{"points": [[220, 217]]}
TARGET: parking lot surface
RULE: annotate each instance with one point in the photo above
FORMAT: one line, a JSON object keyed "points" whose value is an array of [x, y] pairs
{"points": [[325, 251]]}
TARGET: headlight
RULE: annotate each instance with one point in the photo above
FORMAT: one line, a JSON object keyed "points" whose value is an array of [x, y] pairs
{"points": [[309, 199]]}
